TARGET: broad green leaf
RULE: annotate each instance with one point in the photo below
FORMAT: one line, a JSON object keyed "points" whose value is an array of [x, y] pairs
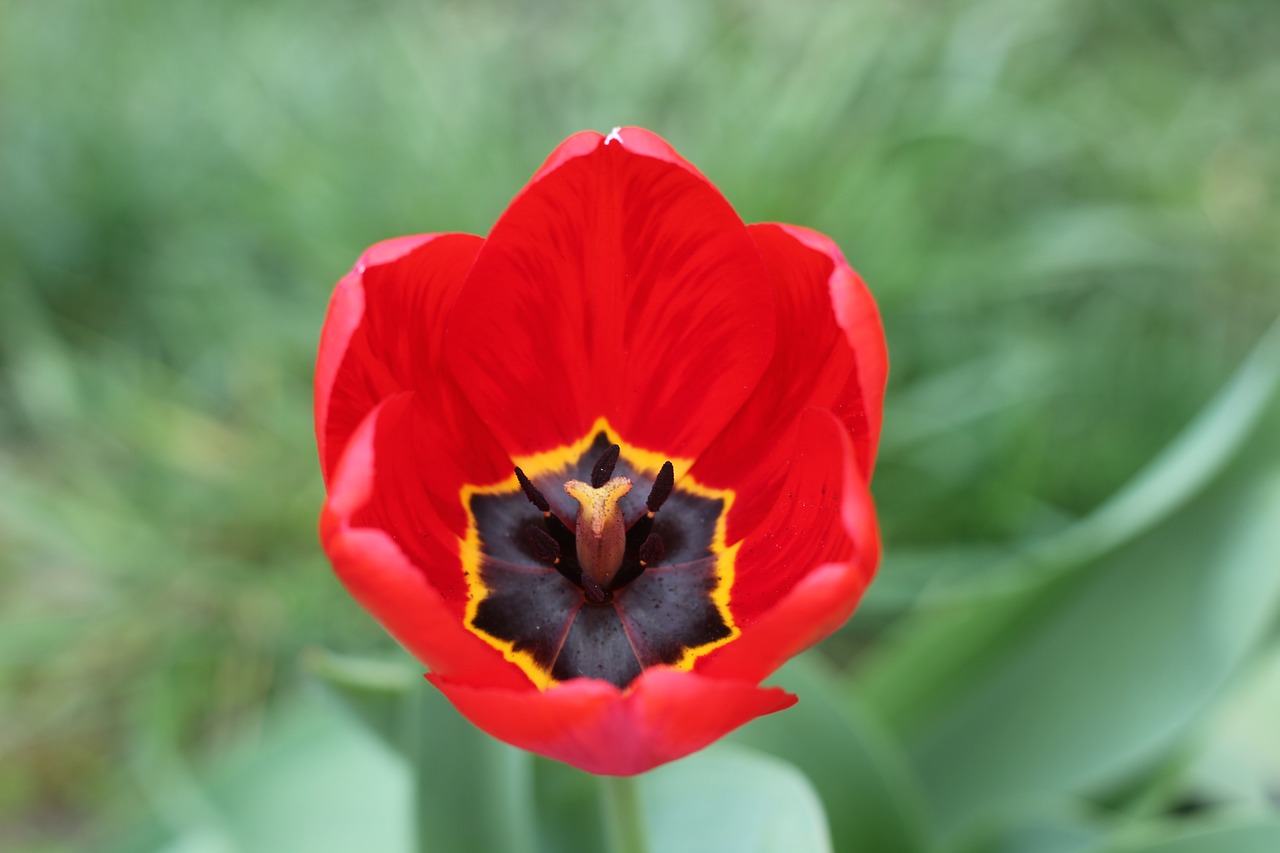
{"points": [[1238, 764], [1029, 827], [1262, 836], [472, 792], [1074, 685], [872, 803], [1180, 471], [731, 800], [375, 690], [314, 783], [1069, 683]]}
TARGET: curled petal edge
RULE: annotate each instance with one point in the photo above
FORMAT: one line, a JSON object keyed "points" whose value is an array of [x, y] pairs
{"points": [[346, 310], [665, 714], [859, 318], [821, 601], [377, 574], [635, 139]]}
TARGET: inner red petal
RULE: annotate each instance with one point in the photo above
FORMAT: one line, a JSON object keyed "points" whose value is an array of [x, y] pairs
{"points": [[617, 285], [816, 363], [384, 330], [421, 461], [804, 528]]}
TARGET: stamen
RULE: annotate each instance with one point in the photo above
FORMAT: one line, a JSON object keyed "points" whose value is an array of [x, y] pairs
{"points": [[652, 551], [543, 545], [662, 487], [531, 492], [603, 469], [595, 593]]}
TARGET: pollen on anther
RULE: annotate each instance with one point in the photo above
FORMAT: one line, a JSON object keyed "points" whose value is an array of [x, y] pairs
{"points": [[544, 547], [662, 488], [652, 551], [531, 492], [604, 466]]}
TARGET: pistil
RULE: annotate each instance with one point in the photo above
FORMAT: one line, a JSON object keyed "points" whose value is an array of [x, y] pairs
{"points": [[601, 528], [601, 555]]}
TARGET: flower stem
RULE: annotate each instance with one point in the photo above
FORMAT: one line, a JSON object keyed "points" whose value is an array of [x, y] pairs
{"points": [[623, 824], [472, 792]]}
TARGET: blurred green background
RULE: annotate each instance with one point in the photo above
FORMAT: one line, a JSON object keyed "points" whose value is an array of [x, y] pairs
{"points": [[1067, 211]]}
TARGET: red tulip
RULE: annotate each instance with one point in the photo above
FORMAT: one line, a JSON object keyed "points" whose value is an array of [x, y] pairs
{"points": [[606, 469]]}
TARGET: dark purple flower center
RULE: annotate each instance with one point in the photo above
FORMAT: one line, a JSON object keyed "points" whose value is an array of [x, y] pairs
{"points": [[627, 586]]}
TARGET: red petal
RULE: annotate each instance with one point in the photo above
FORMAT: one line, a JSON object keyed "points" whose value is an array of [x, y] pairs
{"points": [[664, 715], [815, 607], [379, 575], [384, 330], [621, 284], [419, 467], [830, 354], [859, 321], [383, 338], [823, 514]]}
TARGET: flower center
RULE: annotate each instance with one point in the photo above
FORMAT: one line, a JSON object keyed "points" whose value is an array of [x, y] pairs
{"points": [[592, 562], [609, 554]]}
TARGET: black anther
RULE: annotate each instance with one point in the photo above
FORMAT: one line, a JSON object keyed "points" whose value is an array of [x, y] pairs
{"points": [[652, 551], [531, 492], [603, 469], [595, 593], [662, 487], [543, 545]]}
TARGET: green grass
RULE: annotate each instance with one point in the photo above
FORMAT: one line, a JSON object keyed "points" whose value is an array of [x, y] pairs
{"points": [[1067, 211]]}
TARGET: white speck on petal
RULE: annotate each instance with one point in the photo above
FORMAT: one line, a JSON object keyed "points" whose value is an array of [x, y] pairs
{"points": [[616, 133]]}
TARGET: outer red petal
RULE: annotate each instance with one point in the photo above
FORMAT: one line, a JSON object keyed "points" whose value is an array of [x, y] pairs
{"points": [[384, 328], [823, 514], [664, 715], [383, 337], [859, 321], [378, 574], [814, 608], [830, 354], [621, 284]]}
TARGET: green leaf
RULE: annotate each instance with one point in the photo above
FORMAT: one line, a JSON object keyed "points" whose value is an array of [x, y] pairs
{"points": [[1176, 474], [1262, 836], [731, 800], [1037, 828], [374, 689], [871, 800], [1073, 686], [314, 783], [1067, 685], [1238, 764], [471, 792]]}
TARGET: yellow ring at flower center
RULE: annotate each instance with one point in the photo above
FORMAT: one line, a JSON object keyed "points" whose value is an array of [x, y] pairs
{"points": [[557, 464]]}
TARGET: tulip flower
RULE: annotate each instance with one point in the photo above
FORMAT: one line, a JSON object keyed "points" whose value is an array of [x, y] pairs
{"points": [[606, 469]]}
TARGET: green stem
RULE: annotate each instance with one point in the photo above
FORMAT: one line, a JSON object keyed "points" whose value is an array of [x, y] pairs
{"points": [[473, 793], [622, 820]]}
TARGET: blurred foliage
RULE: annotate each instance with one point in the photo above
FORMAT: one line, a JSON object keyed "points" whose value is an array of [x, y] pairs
{"points": [[1067, 211]]}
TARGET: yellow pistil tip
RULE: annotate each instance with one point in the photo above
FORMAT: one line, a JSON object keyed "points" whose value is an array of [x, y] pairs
{"points": [[599, 505], [601, 530]]}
